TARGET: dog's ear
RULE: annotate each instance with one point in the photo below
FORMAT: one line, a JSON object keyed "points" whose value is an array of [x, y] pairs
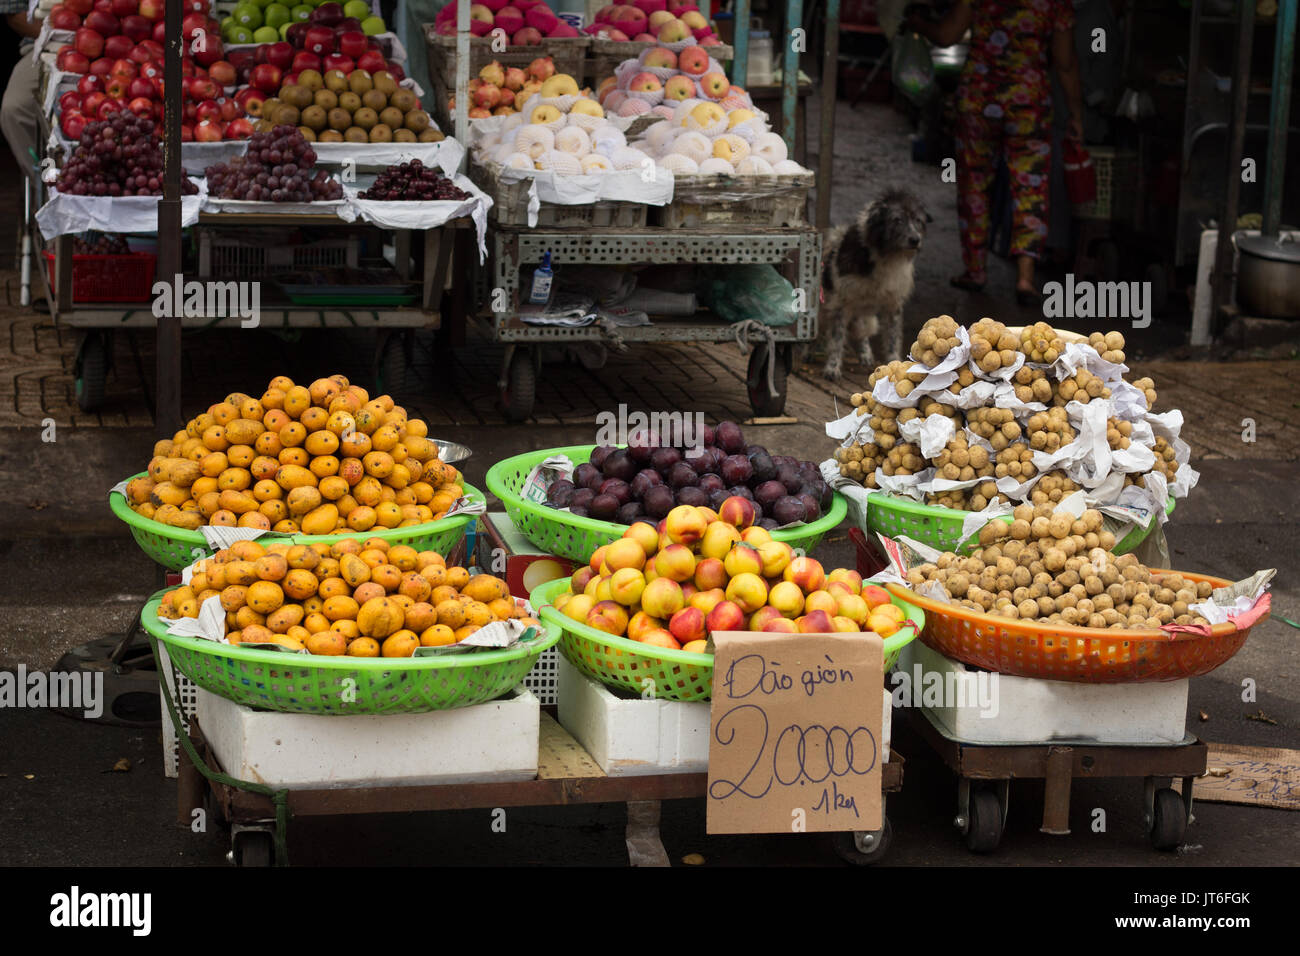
{"points": [[928, 218]]}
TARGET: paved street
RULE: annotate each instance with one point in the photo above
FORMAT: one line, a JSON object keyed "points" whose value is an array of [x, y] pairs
{"points": [[73, 573]]}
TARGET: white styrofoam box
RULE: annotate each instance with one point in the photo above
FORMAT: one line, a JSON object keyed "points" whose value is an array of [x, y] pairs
{"points": [[633, 737], [1029, 710], [490, 742]]}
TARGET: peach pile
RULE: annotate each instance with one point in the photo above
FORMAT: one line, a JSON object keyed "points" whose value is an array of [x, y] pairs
{"points": [[364, 599], [700, 571]]}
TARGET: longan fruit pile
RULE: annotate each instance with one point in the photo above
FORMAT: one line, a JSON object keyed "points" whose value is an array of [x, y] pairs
{"points": [[859, 462], [1148, 388], [930, 406], [903, 459], [1015, 461], [991, 346], [1109, 345], [997, 426], [1052, 487], [975, 498], [1032, 385], [936, 339], [965, 378], [1049, 430], [1166, 463], [1040, 343], [1118, 434], [1080, 387], [960, 461], [1060, 569]]}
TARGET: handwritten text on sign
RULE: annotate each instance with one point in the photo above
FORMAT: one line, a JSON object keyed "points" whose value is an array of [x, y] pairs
{"points": [[794, 733]]}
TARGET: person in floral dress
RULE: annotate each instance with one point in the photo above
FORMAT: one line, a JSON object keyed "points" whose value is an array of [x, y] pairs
{"points": [[1004, 103]]}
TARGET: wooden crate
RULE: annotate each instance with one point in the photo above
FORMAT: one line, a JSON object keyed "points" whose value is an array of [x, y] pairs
{"points": [[604, 56], [510, 206], [568, 53], [740, 201]]}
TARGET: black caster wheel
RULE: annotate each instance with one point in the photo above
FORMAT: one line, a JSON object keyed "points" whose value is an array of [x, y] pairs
{"points": [[92, 371], [520, 394], [1107, 261], [1168, 819], [393, 365], [864, 847], [983, 821], [252, 848], [764, 403]]}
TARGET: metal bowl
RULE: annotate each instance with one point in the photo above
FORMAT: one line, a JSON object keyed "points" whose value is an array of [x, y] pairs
{"points": [[451, 452]]}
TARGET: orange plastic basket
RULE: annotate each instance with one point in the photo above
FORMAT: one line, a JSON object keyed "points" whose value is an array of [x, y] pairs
{"points": [[1080, 654]]}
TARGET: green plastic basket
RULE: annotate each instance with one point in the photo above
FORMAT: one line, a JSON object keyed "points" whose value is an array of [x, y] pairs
{"points": [[940, 527], [677, 675], [347, 686], [577, 538], [177, 548]]}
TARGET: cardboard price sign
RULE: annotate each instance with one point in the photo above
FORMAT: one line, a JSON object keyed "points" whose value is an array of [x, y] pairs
{"points": [[794, 733]]}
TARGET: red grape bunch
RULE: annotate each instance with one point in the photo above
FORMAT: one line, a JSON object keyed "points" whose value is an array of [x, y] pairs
{"points": [[413, 181], [119, 156], [279, 166]]}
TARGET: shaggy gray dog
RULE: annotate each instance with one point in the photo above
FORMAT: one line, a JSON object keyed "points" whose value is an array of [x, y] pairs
{"points": [[867, 277]]}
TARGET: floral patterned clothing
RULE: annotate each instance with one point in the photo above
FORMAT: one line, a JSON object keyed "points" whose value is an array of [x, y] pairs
{"points": [[1004, 103]]}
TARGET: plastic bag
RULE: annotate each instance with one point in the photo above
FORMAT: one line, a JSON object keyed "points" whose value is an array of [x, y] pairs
{"points": [[754, 291], [911, 67]]}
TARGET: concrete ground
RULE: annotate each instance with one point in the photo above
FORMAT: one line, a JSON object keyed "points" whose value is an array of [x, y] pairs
{"points": [[74, 574]]}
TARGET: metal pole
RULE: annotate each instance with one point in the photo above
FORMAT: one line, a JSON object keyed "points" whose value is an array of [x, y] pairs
{"points": [[462, 72], [1279, 115], [1221, 280], [740, 43], [826, 151], [790, 73], [167, 409]]}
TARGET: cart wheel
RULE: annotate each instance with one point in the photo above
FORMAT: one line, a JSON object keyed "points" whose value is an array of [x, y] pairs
{"points": [[1168, 820], [92, 372], [984, 822], [1159, 279], [864, 847], [1107, 260], [392, 365], [764, 403], [252, 848], [521, 387]]}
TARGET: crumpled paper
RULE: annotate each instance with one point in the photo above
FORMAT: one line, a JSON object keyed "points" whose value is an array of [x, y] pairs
{"points": [[1079, 355], [542, 475], [65, 213], [932, 433]]}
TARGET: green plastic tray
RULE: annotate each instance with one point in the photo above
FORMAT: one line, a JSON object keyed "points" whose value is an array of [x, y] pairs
{"points": [[577, 538], [677, 675], [940, 527], [347, 686], [177, 548]]}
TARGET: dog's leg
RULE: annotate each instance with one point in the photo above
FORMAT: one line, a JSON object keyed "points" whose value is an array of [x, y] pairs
{"points": [[895, 337], [834, 324], [866, 355]]}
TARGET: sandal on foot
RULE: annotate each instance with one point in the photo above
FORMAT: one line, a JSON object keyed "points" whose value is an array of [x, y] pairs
{"points": [[966, 283]]}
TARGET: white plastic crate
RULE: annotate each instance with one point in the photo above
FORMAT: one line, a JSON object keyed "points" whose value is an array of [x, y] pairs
{"points": [[184, 695], [228, 256], [488, 742], [1117, 174], [1030, 711]]}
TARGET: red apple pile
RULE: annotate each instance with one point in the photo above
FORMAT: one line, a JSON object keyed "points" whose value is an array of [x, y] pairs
{"points": [[664, 21], [692, 79], [326, 41], [500, 90], [119, 156], [521, 22], [279, 166], [117, 48]]}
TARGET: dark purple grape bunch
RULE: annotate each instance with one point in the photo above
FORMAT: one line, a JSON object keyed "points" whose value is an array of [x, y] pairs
{"points": [[414, 182], [647, 479], [118, 156], [278, 166]]}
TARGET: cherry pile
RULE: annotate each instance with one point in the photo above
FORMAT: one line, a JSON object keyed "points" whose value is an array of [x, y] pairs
{"points": [[279, 166], [119, 156], [413, 181]]}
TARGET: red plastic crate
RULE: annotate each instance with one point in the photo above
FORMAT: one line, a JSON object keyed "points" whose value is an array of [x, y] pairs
{"points": [[125, 277]]}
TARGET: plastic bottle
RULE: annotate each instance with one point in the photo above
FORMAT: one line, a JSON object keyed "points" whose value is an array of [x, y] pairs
{"points": [[540, 294]]}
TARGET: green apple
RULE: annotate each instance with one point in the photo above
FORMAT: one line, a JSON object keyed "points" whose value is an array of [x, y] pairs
{"points": [[277, 15], [356, 8], [300, 13], [241, 35], [266, 35], [373, 26], [248, 15], [284, 29]]}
